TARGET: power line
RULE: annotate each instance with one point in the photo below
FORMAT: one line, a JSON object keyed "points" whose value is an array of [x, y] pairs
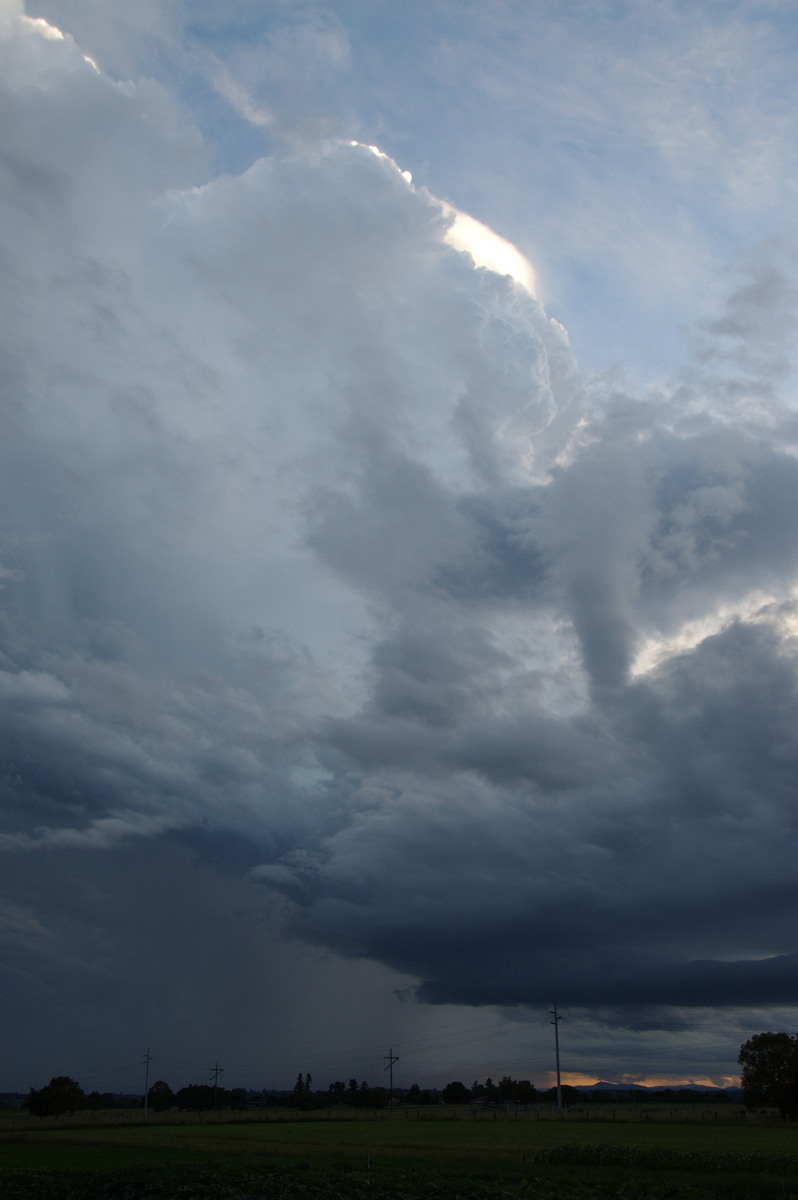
{"points": [[351, 1055], [111, 1070]]}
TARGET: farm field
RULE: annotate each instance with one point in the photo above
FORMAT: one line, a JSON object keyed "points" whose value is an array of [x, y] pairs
{"points": [[411, 1154]]}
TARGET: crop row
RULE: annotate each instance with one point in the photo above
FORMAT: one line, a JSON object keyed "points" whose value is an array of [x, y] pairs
{"points": [[664, 1158], [227, 1183], [257, 1183]]}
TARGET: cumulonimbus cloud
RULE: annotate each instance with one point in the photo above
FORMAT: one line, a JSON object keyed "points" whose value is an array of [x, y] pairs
{"points": [[312, 535]]}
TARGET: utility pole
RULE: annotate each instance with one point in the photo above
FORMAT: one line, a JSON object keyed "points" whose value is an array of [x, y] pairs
{"points": [[556, 1023], [216, 1071], [391, 1059], [147, 1061]]}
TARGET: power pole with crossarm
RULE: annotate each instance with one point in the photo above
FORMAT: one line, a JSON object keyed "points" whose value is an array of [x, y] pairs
{"points": [[556, 1024], [391, 1059]]}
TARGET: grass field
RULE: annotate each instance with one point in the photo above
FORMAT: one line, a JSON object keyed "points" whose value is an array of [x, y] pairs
{"points": [[440, 1153]]}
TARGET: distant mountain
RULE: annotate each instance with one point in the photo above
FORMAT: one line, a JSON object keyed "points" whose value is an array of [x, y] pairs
{"points": [[604, 1086]]}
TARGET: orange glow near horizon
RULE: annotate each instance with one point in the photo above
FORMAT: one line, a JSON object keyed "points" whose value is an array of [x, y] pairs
{"points": [[575, 1079]]}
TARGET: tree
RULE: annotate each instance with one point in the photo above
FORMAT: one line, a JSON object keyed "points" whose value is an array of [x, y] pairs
{"points": [[61, 1095], [365, 1096], [487, 1092], [456, 1093], [770, 1072], [196, 1097], [160, 1096], [569, 1095], [517, 1091]]}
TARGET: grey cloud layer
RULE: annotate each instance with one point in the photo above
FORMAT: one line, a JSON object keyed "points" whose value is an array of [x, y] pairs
{"points": [[312, 539]]}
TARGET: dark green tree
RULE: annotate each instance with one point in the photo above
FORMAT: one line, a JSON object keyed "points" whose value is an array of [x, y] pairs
{"points": [[569, 1095], [365, 1096], [61, 1095], [160, 1096], [303, 1085], [517, 1091], [456, 1093], [197, 1097], [770, 1072]]}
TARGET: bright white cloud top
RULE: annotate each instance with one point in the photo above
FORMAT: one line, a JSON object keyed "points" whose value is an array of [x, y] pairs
{"points": [[489, 250], [328, 579]]}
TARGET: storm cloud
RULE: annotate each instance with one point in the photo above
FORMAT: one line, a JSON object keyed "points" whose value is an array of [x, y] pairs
{"points": [[321, 560]]}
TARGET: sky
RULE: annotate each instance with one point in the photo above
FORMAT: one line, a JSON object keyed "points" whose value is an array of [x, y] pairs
{"points": [[398, 548]]}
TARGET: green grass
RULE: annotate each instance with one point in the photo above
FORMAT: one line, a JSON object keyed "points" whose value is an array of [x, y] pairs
{"points": [[429, 1155], [465, 1137]]}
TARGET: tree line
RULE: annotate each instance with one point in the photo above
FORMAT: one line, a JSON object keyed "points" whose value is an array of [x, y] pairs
{"points": [[64, 1095], [769, 1078]]}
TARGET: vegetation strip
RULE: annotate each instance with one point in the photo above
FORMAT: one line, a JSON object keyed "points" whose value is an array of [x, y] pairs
{"points": [[659, 1157], [231, 1183]]}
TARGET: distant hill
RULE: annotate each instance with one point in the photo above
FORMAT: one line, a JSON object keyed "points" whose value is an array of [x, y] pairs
{"points": [[604, 1086]]}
